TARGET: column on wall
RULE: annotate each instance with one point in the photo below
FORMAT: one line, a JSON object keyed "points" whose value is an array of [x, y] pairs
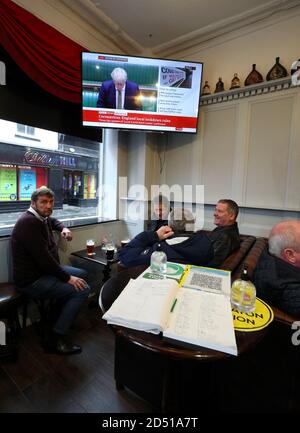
{"points": [[142, 171]]}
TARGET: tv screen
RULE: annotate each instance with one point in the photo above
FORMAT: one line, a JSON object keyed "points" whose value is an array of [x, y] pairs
{"points": [[126, 92]]}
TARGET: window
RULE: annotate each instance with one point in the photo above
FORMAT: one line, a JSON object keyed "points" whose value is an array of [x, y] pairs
{"points": [[70, 166], [24, 129]]}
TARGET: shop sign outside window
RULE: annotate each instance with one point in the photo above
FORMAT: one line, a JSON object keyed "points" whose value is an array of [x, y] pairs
{"points": [[23, 168]]}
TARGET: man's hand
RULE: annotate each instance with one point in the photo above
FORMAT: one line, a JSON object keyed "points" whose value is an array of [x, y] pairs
{"points": [[78, 283], [164, 232], [67, 234]]}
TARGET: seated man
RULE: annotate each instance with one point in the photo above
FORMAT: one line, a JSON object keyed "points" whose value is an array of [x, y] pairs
{"points": [[225, 237], [277, 274], [161, 209], [38, 273], [199, 249], [196, 250]]}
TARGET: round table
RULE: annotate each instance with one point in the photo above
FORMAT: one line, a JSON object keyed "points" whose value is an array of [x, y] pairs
{"points": [[158, 370]]}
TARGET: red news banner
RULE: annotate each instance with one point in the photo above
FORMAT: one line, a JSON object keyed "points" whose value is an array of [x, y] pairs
{"points": [[176, 122]]}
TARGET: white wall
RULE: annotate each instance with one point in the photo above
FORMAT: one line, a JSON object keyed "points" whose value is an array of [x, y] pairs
{"points": [[44, 139], [117, 229], [259, 43], [134, 197], [248, 149]]}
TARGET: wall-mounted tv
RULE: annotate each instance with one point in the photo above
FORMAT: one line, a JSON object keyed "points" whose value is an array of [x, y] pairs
{"points": [[126, 92]]}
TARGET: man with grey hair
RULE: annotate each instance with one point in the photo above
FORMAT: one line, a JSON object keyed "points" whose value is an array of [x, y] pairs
{"points": [[277, 274], [37, 271], [119, 93]]}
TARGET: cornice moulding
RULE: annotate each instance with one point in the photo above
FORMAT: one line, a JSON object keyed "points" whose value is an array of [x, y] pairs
{"points": [[101, 30], [231, 28], [98, 20], [55, 12]]}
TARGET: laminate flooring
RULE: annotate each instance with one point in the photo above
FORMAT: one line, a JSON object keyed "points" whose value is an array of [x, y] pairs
{"points": [[44, 383], [265, 380]]}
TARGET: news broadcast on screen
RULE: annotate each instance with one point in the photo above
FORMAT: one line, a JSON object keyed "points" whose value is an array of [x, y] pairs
{"points": [[126, 92]]}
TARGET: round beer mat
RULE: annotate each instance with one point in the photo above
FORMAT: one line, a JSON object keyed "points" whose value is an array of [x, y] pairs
{"points": [[175, 269], [261, 317]]}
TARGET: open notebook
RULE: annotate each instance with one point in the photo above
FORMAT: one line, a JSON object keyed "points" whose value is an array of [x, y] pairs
{"points": [[198, 317]]}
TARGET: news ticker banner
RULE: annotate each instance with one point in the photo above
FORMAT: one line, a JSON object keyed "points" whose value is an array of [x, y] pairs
{"points": [[92, 117]]}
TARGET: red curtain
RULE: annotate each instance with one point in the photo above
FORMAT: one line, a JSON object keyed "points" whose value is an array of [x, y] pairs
{"points": [[48, 57]]}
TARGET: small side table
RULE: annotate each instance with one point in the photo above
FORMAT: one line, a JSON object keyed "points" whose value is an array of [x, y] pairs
{"points": [[99, 257]]}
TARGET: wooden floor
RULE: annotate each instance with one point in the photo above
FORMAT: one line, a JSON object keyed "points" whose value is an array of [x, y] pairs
{"points": [[266, 380], [84, 383]]}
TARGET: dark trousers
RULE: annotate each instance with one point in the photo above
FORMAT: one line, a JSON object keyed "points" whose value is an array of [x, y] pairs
{"points": [[66, 299]]}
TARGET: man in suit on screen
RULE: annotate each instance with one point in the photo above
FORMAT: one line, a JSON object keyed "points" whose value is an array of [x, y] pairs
{"points": [[119, 93]]}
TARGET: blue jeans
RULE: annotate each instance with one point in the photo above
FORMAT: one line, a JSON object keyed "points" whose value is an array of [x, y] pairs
{"points": [[65, 295]]}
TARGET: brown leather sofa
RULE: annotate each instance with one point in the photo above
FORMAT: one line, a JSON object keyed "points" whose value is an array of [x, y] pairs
{"points": [[236, 257], [251, 258]]}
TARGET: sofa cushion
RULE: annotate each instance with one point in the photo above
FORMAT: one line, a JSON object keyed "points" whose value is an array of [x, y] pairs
{"points": [[237, 256]]}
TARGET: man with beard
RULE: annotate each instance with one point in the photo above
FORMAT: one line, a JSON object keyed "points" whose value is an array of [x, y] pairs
{"points": [[37, 271]]}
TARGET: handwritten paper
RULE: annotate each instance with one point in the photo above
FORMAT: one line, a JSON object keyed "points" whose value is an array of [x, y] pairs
{"points": [[204, 319]]}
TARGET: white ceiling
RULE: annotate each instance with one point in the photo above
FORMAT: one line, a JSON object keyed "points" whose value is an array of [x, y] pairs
{"points": [[160, 24], [154, 22]]}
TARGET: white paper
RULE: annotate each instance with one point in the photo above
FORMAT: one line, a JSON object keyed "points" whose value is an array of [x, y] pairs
{"points": [[176, 240], [199, 317], [208, 279], [143, 305], [203, 319]]}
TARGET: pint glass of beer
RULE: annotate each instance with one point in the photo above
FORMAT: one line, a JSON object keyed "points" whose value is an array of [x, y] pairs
{"points": [[90, 247], [110, 251]]}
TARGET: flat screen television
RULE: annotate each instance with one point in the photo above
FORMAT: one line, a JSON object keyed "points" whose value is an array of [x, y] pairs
{"points": [[158, 95]]}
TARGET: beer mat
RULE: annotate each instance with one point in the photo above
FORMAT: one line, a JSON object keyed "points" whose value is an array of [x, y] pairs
{"points": [[174, 270], [261, 317]]}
